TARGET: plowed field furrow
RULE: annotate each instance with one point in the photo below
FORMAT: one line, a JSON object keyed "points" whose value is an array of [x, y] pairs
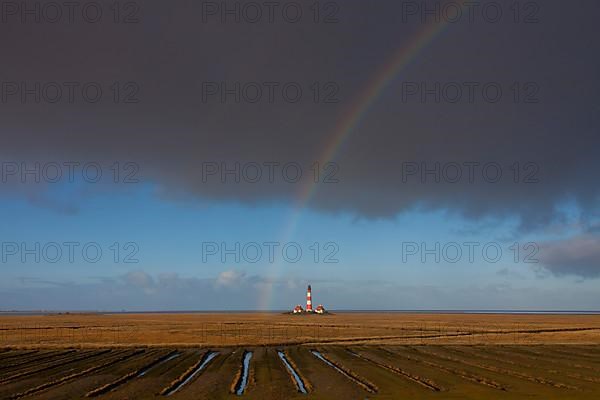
{"points": [[12, 354], [569, 355], [75, 375], [503, 371], [545, 358], [353, 377], [53, 356], [325, 381], [503, 360], [425, 382], [189, 375], [150, 384], [453, 371], [132, 375], [216, 379], [587, 349], [44, 363], [79, 387], [52, 366]]}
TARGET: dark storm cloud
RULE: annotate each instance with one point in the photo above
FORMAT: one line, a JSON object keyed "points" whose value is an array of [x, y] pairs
{"points": [[171, 131]]}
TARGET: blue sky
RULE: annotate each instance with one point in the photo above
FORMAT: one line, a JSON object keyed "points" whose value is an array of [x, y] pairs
{"points": [[544, 126], [166, 237]]}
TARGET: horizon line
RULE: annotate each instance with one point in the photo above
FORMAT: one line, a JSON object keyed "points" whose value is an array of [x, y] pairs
{"points": [[257, 311]]}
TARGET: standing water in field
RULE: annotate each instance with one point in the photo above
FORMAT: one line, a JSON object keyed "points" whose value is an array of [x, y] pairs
{"points": [[245, 371], [204, 363], [297, 378], [146, 370], [326, 361]]}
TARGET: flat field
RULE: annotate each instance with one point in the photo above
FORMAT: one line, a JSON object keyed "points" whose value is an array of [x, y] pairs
{"points": [[240, 329], [346, 355]]}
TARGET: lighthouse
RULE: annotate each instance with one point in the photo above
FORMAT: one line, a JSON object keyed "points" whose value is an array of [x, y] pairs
{"points": [[308, 300], [309, 308]]}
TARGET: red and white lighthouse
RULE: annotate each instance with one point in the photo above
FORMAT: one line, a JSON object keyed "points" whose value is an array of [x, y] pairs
{"points": [[308, 300]]}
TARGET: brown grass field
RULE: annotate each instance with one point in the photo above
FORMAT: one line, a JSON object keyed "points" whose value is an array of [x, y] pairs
{"points": [[369, 355]]}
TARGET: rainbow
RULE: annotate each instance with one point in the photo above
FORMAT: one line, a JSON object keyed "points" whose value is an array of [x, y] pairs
{"points": [[347, 124]]}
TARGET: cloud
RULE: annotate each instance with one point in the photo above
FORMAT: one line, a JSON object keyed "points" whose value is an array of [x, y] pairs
{"points": [[171, 292], [577, 256], [28, 281], [230, 278], [509, 273], [171, 133], [141, 280]]}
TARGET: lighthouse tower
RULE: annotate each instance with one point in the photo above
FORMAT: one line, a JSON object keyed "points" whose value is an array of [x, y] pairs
{"points": [[308, 300]]}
